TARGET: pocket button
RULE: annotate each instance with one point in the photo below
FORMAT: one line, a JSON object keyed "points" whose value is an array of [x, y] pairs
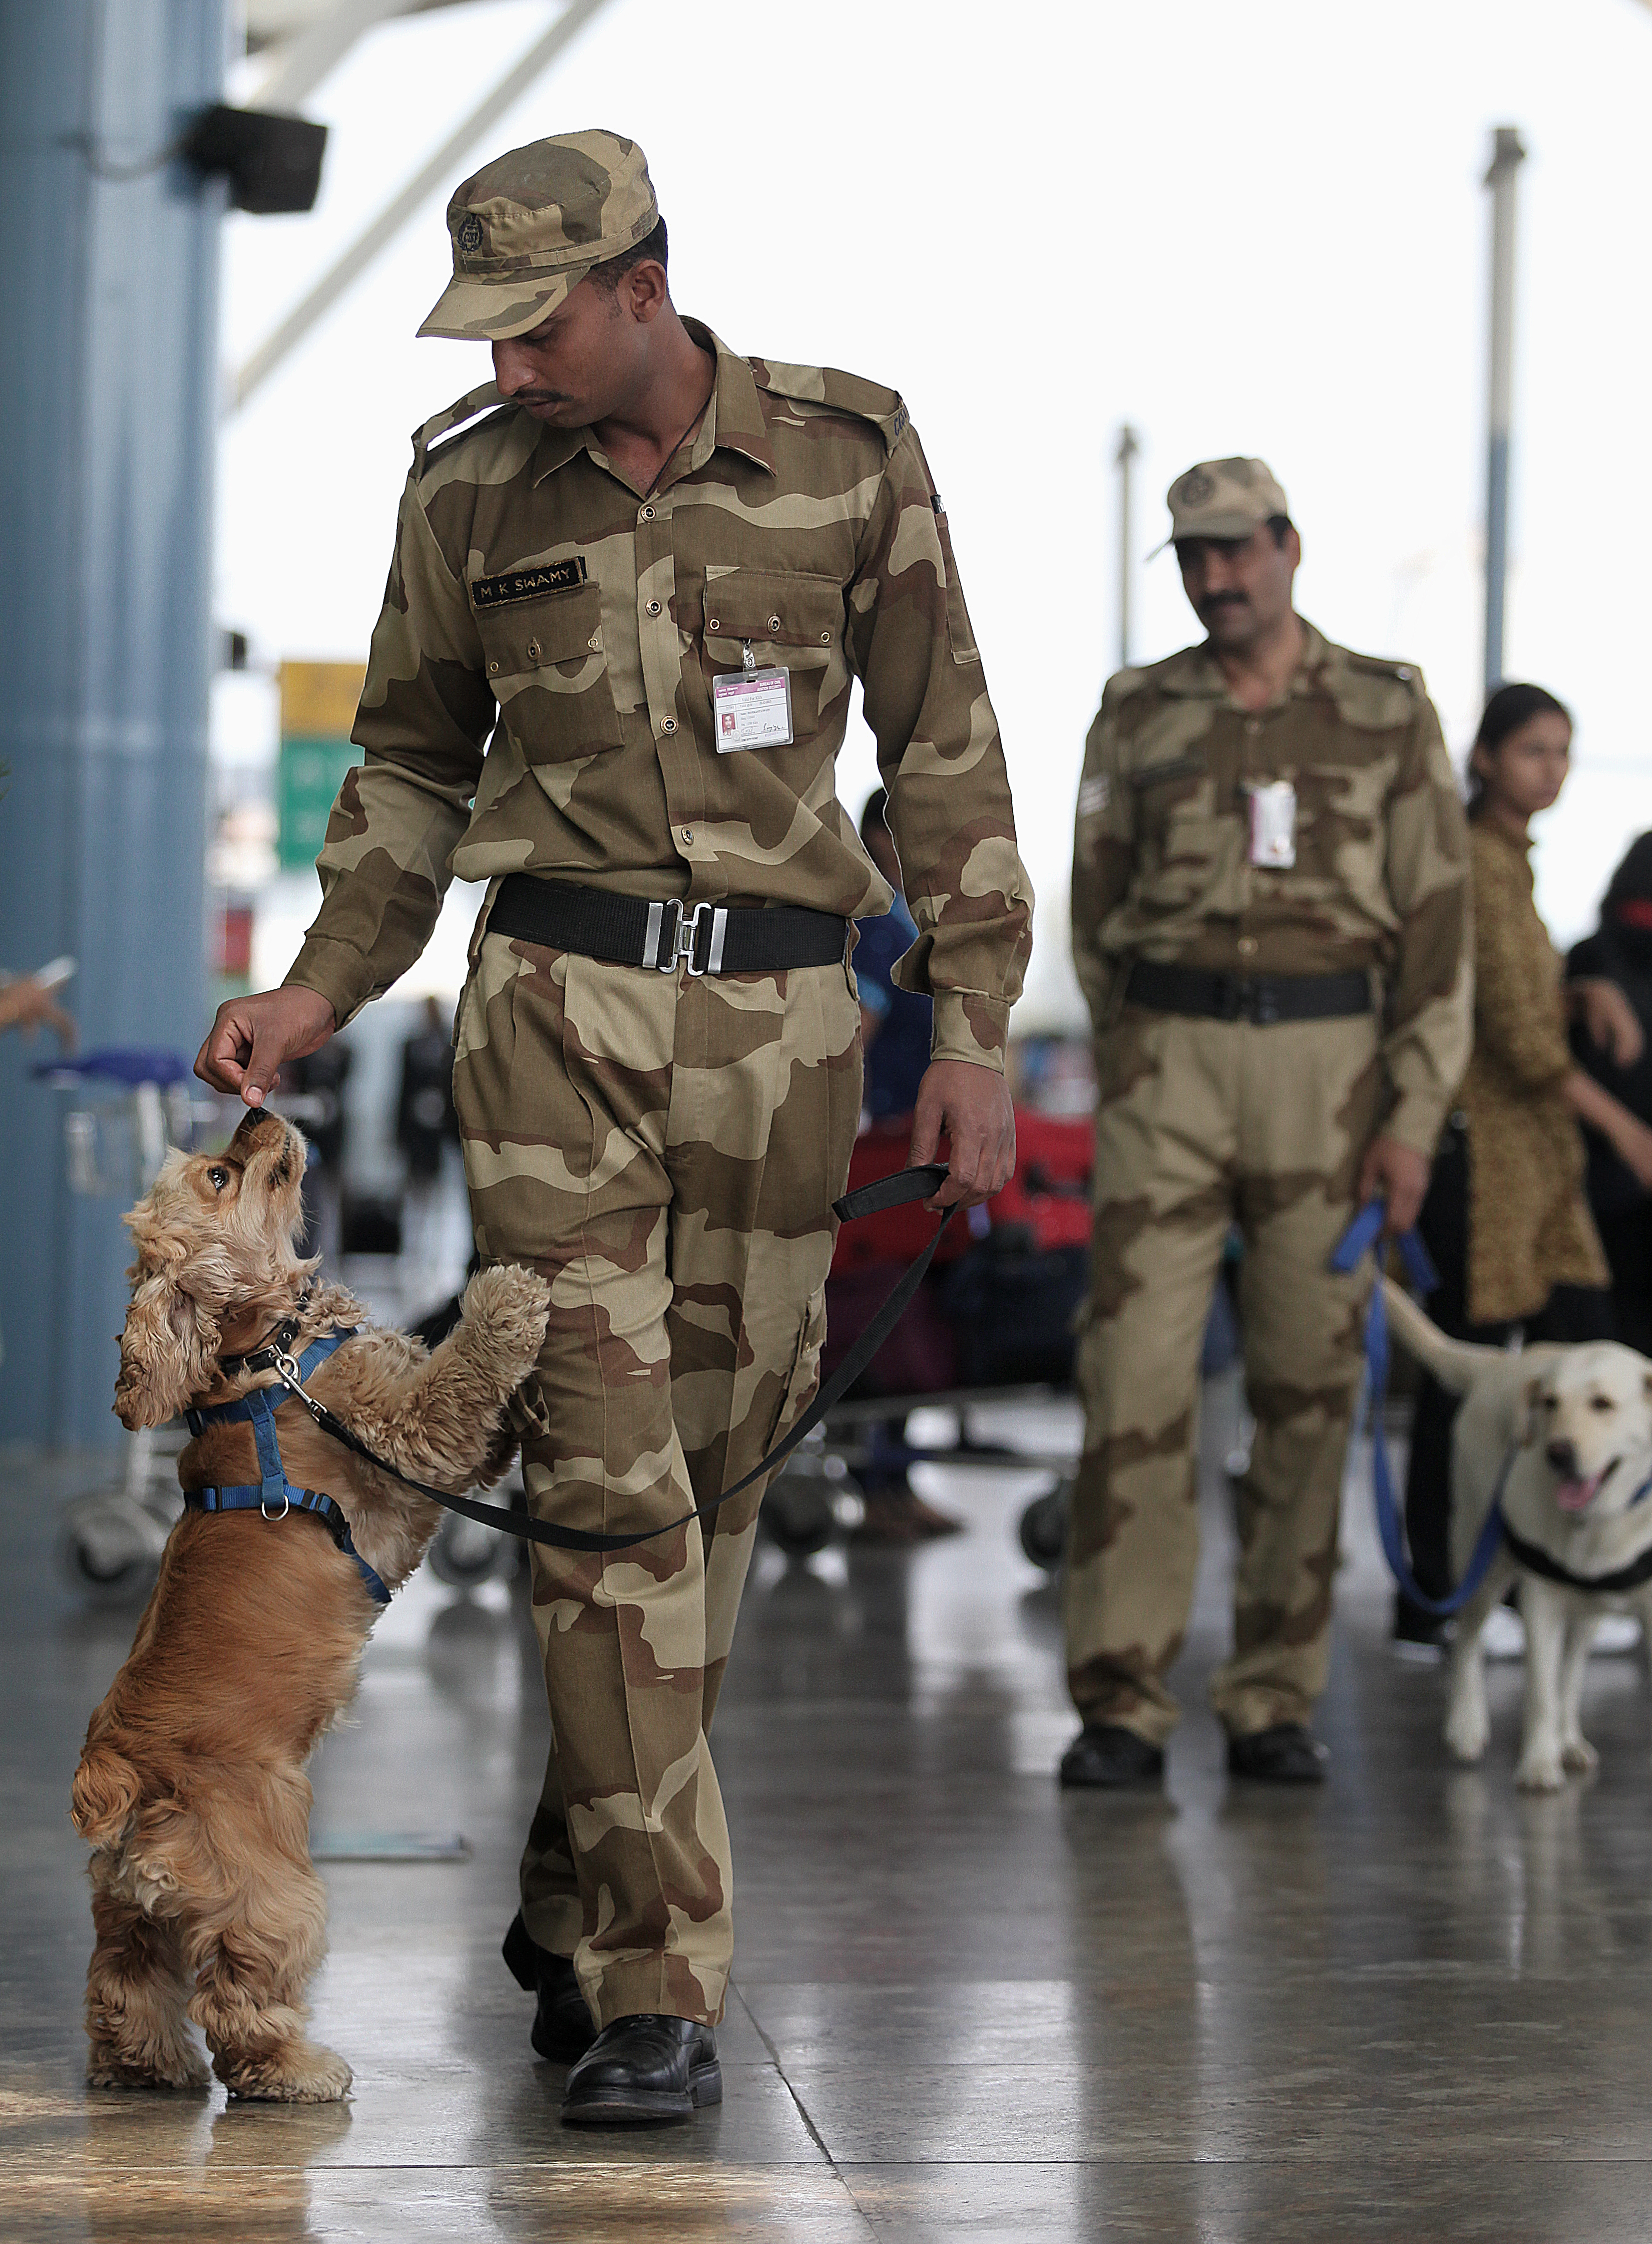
{"points": [[533, 650], [774, 623]]}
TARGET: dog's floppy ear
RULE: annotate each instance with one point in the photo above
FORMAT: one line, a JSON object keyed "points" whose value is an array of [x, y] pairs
{"points": [[166, 1351], [1531, 1397]]}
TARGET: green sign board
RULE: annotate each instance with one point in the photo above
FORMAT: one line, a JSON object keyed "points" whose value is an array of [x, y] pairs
{"points": [[318, 708], [312, 772]]}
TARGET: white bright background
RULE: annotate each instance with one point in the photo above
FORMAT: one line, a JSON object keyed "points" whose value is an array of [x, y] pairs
{"points": [[1253, 229]]}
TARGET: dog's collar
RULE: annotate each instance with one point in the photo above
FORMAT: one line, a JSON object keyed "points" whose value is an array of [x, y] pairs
{"points": [[272, 1348]]}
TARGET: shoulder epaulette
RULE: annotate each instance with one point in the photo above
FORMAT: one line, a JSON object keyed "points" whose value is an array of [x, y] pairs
{"points": [[1383, 666], [838, 392], [1146, 677], [453, 417]]}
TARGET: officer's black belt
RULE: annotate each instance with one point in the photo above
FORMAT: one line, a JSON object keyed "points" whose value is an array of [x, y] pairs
{"points": [[1259, 997], [707, 938]]}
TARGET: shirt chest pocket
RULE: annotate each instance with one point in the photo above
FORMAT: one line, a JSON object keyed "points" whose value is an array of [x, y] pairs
{"points": [[549, 672], [791, 622]]}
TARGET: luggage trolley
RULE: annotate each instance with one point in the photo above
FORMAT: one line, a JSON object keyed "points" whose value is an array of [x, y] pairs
{"points": [[993, 1323]]}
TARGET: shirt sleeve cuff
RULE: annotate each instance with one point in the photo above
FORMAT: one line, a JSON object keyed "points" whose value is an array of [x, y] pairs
{"points": [[334, 970], [970, 1027], [1417, 1121]]}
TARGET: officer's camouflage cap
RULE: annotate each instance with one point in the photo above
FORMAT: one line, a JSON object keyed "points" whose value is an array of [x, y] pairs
{"points": [[1223, 498], [528, 227]]}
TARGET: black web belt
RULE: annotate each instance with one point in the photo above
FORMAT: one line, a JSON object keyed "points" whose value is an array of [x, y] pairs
{"points": [[631, 931], [1258, 997]]}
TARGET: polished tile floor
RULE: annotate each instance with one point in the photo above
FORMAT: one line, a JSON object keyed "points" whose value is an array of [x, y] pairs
{"points": [[1413, 2006]]}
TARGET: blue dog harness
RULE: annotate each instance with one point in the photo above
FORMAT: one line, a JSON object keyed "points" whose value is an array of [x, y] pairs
{"points": [[275, 1494]]}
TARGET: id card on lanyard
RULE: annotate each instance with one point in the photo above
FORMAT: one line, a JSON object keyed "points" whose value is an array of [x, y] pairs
{"points": [[753, 708], [1273, 825]]}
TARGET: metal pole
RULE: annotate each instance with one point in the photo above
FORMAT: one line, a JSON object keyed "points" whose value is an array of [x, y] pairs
{"points": [[108, 364], [1507, 155], [1128, 450], [437, 172]]}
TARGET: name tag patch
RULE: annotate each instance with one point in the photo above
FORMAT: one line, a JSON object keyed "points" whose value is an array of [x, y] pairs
{"points": [[526, 584], [753, 709]]}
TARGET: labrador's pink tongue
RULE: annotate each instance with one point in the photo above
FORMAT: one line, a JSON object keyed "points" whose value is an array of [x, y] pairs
{"points": [[1573, 1495]]}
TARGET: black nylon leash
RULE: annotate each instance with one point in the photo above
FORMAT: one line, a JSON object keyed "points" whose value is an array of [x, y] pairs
{"points": [[895, 1191]]}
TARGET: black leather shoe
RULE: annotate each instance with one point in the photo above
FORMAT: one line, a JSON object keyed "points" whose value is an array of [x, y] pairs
{"points": [[1287, 1753], [642, 2069], [563, 2028], [1103, 1754]]}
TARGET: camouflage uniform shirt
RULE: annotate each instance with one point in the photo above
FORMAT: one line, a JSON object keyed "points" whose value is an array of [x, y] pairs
{"points": [[532, 584], [1161, 870]]}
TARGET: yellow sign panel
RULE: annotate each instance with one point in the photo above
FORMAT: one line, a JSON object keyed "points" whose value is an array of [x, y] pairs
{"points": [[318, 699]]}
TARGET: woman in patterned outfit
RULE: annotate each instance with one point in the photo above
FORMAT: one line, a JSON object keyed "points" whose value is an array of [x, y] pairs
{"points": [[1506, 1218]]}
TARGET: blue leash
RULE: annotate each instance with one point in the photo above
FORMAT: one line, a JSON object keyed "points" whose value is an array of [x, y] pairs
{"points": [[1360, 1236]]}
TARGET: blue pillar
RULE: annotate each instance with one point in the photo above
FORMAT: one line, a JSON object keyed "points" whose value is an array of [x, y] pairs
{"points": [[108, 370]]}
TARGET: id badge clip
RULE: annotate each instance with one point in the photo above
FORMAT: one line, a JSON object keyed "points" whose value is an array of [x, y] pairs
{"points": [[753, 708], [1273, 825]]}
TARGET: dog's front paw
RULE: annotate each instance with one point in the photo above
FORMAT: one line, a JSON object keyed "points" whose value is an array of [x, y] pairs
{"points": [[505, 1313], [1539, 1772], [1467, 1727], [1578, 1755]]}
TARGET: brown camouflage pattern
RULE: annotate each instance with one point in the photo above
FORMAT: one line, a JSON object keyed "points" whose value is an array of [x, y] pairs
{"points": [[531, 224], [1224, 498], [665, 1150], [1161, 865], [1201, 1123], [800, 518]]}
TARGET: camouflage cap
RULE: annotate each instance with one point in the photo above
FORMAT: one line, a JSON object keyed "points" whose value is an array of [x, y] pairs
{"points": [[1223, 498], [528, 227]]}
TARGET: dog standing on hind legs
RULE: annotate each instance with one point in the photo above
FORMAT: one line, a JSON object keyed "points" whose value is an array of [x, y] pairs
{"points": [[1566, 1434], [192, 1788]]}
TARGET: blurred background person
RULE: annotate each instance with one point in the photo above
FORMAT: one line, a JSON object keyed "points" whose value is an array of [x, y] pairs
{"points": [[896, 1030], [1280, 1017], [426, 1127], [26, 1001], [1506, 1220], [1620, 955], [316, 1085]]}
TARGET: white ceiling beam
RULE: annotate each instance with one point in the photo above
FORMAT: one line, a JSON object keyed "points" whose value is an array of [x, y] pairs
{"points": [[383, 230], [300, 64]]}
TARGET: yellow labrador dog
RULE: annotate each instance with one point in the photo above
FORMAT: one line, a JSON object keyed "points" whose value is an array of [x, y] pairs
{"points": [[1569, 1432]]}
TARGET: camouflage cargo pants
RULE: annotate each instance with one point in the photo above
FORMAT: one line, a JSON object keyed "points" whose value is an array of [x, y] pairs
{"points": [[665, 1150], [1200, 1124]]}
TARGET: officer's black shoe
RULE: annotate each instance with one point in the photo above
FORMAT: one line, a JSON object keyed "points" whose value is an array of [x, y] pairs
{"points": [[643, 2070], [1104, 1754], [1286, 1754], [563, 2028]]}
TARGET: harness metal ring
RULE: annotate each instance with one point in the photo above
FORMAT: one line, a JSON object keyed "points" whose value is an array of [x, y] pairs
{"points": [[287, 1505]]}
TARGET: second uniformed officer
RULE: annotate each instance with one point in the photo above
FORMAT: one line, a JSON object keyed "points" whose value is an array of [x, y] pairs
{"points": [[1269, 923], [651, 570]]}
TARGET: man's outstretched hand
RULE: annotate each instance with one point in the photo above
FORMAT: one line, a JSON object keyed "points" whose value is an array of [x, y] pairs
{"points": [[970, 1106], [1393, 1173], [252, 1036]]}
